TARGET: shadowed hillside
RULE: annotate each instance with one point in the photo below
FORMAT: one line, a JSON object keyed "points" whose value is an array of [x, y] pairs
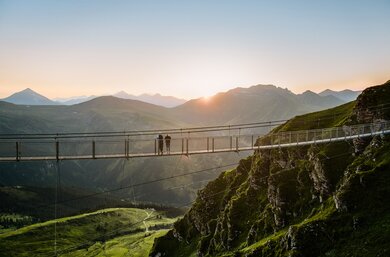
{"points": [[257, 103]]}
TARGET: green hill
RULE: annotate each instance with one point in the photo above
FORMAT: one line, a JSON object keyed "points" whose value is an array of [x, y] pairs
{"points": [[322, 200], [107, 232]]}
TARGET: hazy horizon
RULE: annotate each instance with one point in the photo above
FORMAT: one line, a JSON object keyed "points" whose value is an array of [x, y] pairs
{"points": [[61, 99], [191, 49]]}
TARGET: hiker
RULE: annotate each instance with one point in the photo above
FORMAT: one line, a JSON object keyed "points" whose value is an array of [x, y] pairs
{"points": [[160, 144], [168, 143]]}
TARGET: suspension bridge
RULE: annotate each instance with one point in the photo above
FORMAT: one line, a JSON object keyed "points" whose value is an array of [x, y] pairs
{"points": [[189, 141]]}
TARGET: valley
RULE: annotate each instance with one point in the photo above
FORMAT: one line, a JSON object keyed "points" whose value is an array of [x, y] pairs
{"points": [[113, 232]]}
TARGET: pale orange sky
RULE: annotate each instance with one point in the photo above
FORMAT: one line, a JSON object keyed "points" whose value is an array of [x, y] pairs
{"points": [[191, 49]]}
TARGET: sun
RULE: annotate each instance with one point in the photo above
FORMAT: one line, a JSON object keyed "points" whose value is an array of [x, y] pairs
{"points": [[207, 99]]}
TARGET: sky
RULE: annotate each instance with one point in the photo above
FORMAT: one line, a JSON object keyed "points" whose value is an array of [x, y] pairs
{"points": [[191, 49]]}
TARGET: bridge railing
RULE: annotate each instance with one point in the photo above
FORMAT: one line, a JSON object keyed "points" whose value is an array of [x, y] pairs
{"points": [[291, 137], [126, 146]]}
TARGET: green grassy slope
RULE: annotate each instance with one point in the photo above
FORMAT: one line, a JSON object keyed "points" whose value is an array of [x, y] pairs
{"points": [[333, 117], [117, 231]]}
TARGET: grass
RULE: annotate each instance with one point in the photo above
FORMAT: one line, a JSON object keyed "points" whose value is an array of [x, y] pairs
{"points": [[136, 245], [329, 118], [108, 232]]}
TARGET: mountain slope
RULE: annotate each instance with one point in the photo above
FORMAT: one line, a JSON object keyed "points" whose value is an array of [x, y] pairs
{"points": [[74, 100], [320, 200], [257, 103], [29, 97], [157, 99]]}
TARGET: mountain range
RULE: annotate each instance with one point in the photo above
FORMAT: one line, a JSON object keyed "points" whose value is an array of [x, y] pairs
{"points": [[30, 97], [345, 95]]}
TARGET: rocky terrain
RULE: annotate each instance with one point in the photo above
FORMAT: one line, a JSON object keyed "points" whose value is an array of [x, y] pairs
{"points": [[319, 200]]}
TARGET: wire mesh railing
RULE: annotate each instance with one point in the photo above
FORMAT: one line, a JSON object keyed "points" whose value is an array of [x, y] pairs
{"points": [[147, 146]]}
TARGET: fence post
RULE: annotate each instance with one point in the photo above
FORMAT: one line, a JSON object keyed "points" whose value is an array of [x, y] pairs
{"points": [[252, 143], [358, 131], [17, 151], [187, 146], [208, 143], [212, 144], [125, 144], [383, 128], [155, 146], [231, 142], [236, 144], [93, 149], [57, 151], [128, 148]]}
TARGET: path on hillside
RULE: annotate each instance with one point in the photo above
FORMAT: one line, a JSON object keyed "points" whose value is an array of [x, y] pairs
{"points": [[146, 218]]}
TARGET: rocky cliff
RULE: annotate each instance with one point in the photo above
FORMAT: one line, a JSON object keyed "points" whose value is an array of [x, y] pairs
{"points": [[320, 200]]}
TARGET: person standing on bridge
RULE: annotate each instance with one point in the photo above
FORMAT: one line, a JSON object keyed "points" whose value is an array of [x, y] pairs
{"points": [[168, 143], [160, 141]]}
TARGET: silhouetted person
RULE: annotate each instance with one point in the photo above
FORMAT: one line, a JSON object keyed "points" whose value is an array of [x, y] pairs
{"points": [[168, 143], [160, 144]]}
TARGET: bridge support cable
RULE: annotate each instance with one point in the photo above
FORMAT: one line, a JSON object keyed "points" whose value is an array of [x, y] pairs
{"points": [[56, 196]]}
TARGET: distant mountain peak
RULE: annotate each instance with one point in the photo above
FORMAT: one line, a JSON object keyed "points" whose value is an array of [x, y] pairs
{"points": [[327, 91], [29, 90], [28, 97], [308, 92]]}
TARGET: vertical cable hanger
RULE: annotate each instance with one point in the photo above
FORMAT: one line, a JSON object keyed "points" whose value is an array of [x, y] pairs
{"points": [[58, 181]]}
